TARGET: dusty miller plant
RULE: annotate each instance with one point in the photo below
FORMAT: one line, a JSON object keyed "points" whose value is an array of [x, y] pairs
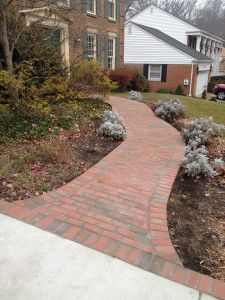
{"points": [[136, 96], [200, 131], [110, 116], [196, 162], [112, 127], [170, 110]]}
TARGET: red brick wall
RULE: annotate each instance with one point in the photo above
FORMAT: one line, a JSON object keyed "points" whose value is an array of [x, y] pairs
{"points": [[80, 21], [176, 74]]}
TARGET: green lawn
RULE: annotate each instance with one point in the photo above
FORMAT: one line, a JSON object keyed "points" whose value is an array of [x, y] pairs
{"points": [[197, 108]]}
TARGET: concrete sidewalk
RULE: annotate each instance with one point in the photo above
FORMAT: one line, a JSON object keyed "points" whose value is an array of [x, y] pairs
{"points": [[38, 265]]}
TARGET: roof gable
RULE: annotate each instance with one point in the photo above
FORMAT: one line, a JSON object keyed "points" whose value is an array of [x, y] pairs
{"points": [[174, 43], [192, 27]]}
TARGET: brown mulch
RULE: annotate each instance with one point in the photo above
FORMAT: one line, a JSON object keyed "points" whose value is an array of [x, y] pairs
{"points": [[32, 168], [196, 218]]}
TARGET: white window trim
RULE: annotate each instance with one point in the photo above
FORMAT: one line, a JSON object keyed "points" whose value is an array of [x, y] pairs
{"points": [[112, 37], [54, 21], [95, 8], [110, 18], [66, 4], [95, 45], [149, 72]]}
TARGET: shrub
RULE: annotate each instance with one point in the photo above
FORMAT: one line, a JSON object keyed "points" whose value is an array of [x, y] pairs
{"points": [[139, 82], [170, 110], [179, 90], [87, 79], [204, 94], [123, 78], [196, 162], [136, 96], [110, 116], [116, 131], [111, 126], [165, 91], [200, 131]]}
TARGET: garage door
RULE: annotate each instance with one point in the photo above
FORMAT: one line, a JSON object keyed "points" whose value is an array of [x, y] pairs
{"points": [[202, 82]]}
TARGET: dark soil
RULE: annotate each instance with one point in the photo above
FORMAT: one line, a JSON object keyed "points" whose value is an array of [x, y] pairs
{"points": [[196, 217], [36, 167]]}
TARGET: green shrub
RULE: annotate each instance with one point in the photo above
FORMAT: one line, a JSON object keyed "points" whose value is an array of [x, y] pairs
{"points": [[179, 90], [139, 83], [87, 79], [164, 91]]}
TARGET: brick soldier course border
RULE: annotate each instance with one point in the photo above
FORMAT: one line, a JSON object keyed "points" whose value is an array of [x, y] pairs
{"points": [[119, 206]]}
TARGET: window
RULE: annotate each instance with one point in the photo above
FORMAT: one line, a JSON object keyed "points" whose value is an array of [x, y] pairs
{"points": [[111, 61], [63, 2], [112, 9], [52, 36], [155, 72], [92, 45], [91, 6], [192, 41]]}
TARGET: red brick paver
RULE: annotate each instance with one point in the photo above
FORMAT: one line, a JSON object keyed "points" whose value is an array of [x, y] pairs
{"points": [[119, 206]]}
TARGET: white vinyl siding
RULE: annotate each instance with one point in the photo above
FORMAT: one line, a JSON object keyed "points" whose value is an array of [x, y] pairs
{"points": [[157, 18], [144, 48]]}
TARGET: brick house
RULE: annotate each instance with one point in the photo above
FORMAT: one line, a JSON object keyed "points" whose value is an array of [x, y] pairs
{"points": [[93, 29], [171, 52]]}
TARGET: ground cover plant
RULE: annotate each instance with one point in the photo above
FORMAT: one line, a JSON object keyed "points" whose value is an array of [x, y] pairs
{"points": [[40, 157]]}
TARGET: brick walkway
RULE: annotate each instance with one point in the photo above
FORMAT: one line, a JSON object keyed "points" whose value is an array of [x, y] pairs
{"points": [[119, 206]]}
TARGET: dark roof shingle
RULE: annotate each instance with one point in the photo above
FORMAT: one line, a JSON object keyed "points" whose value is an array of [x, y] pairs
{"points": [[175, 43]]}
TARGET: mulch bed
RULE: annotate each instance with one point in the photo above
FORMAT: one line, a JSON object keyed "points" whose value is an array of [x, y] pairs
{"points": [[196, 218], [47, 165]]}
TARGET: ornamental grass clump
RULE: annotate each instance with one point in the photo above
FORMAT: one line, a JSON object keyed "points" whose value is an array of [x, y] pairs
{"points": [[136, 96], [112, 127], [170, 110]]}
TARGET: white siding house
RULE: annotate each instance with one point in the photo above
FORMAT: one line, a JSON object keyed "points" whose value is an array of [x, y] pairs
{"points": [[182, 31]]}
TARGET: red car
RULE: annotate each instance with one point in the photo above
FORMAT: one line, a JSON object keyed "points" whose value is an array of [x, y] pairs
{"points": [[219, 91]]}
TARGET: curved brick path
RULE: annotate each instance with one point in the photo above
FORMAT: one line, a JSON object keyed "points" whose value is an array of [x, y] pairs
{"points": [[119, 205]]}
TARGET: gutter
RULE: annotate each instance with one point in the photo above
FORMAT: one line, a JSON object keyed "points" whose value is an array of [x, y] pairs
{"points": [[191, 81]]}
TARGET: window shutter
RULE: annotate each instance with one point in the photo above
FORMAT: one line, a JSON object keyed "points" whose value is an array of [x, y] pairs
{"points": [[99, 48], [85, 45], [164, 73], [117, 10], [145, 71], [98, 7], [73, 4], [106, 8], [106, 51], [117, 52]]}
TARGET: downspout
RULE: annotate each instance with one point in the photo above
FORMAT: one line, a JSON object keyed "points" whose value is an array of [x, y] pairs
{"points": [[191, 81]]}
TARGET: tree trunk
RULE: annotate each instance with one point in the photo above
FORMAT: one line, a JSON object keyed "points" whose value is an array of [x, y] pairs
{"points": [[13, 90]]}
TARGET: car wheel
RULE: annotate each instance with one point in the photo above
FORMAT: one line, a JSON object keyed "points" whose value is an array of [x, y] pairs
{"points": [[221, 95]]}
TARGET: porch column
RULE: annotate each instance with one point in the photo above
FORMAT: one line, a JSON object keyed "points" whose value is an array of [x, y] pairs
{"points": [[208, 45], [198, 45]]}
